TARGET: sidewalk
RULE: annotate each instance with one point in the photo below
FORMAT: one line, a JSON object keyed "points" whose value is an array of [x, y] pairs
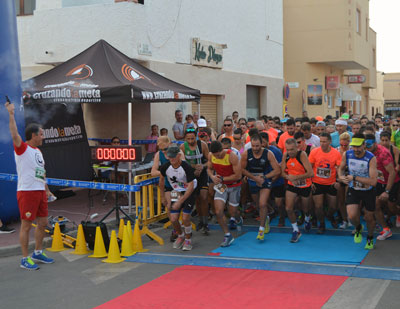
{"points": [[75, 208]]}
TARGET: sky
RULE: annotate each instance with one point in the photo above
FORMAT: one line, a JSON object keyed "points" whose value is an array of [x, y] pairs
{"points": [[385, 20]]}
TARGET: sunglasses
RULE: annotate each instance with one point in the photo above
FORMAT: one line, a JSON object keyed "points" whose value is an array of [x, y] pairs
{"points": [[395, 125], [227, 125], [190, 130]]}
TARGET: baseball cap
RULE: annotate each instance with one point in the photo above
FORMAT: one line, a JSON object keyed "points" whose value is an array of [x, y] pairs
{"points": [[320, 124], [201, 123], [172, 151], [345, 116], [356, 141]]}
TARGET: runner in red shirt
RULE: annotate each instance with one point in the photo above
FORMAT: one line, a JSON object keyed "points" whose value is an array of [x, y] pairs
{"points": [[388, 183]]}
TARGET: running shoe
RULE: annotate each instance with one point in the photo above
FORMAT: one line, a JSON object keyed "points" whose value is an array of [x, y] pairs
{"points": [[173, 236], [228, 239], [205, 230], [27, 263], [267, 226], [281, 222], [250, 209], [300, 219], [385, 234], [370, 244], [335, 225], [358, 235], [307, 226], [398, 221], [321, 229], [4, 229], [42, 258], [179, 242], [199, 226], [260, 235], [239, 225], [343, 226], [232, 224], [187, 246], [295, 236]]}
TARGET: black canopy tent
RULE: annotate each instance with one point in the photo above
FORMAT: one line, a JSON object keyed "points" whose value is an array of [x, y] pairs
{"points": [[102, 75]]}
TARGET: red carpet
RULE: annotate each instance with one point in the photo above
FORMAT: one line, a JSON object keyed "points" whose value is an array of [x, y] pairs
{"points": [[209, 287]]}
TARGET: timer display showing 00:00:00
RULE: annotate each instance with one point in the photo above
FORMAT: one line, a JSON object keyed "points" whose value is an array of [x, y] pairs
{"points": [[116, 154]]}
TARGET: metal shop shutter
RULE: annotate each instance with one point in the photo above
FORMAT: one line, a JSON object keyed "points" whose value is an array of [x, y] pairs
{"points": [[208, 108]]}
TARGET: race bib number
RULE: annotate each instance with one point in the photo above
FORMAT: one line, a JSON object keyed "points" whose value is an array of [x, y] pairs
{"points": [[323, 172], [300, 183], [380, 176], [360, 186], [40, 174], [175, 195], [220, 188]]}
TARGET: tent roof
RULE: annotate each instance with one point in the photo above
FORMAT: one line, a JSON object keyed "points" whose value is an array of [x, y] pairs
{"points": [[102, 74]]}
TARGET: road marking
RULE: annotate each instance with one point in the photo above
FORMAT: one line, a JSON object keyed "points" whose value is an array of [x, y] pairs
{"points": [[358, 293], [71, 257], [103, 272], [373, 272]]}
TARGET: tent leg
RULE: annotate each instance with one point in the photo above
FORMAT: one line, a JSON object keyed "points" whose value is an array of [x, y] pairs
{"points": [[130, 163]]}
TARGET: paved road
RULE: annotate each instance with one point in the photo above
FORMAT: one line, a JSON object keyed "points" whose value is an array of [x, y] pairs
{"points": [[81, 282]]}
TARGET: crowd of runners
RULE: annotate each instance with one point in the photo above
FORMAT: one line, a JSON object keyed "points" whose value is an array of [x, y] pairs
{"points": [[308, 170]]}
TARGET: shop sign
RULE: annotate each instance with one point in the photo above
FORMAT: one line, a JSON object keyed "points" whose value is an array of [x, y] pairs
{"points": [[207, 54], [331, 82], [356, 79], [314, 94], [293, 84]]}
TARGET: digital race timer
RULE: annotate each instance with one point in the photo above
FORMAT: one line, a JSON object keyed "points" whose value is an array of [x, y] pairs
{"points": [[116, 153]]}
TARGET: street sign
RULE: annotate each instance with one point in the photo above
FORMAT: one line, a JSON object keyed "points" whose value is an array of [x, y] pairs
{"points": [[293, 84], [356, 79], [286, 92]]}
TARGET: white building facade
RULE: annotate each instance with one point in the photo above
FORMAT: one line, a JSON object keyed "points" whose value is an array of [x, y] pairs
{"points": [[237, 66]]}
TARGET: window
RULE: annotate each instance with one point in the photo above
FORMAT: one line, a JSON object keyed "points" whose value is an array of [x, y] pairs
{"points": [[252, 102], [358, 21], [374, 58], [24, 7]]}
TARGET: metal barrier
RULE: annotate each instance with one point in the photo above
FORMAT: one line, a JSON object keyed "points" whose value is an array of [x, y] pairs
{"points": [[144, 200]]}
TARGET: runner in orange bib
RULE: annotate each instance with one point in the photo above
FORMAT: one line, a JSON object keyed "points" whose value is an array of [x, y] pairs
{"points": [[325, 161], [298, 171]]}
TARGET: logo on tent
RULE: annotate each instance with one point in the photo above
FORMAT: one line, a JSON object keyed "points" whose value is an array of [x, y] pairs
{"points": [[130, 73], [82, 71]]}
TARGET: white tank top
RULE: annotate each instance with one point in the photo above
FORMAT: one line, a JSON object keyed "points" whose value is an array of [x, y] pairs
{"points": [[30, 168]]}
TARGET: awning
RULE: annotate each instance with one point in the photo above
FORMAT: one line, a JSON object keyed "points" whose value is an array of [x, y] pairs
{"points": [[349, 94]]}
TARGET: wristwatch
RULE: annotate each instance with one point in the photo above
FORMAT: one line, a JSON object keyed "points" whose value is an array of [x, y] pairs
{"points": [[387, 191]]}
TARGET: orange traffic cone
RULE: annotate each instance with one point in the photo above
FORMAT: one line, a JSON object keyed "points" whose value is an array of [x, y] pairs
{"points": [[129, 228], [137, 239], [113, 252], [80, 247], [57, 243], [126, 247], [99, 248], [121, 229]]}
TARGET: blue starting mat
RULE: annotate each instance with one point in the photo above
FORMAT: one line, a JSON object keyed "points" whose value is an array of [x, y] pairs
{"points": [[310, 248]]}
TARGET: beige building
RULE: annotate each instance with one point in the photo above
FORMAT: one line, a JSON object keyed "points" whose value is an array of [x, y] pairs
{"points": [[376, 100], [329, 57], [391, 89]]}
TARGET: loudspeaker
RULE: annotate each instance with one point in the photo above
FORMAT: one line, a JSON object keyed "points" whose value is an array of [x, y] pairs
{"points": [[89, 229]]}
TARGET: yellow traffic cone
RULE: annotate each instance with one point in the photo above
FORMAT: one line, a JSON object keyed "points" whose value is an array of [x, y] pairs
{"points": [[57, 243], [99, 248], [121, 229], [129, 228], [126, 247], [137, 239], [80, 247], [113, 251]]}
